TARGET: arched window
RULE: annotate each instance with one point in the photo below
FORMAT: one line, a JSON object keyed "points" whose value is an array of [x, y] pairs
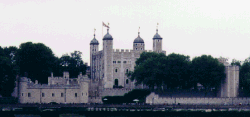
{"points": [[115, 70], [135, 48], [127, 71], [127, 81], [116, 82], [141, 48]]}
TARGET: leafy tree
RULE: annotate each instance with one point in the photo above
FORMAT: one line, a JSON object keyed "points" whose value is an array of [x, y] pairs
{"points": [[244, 75], [7, 73], [150, 69], [73, 63], [208, 71], [36, 59], [236, 62], [178, 72]]}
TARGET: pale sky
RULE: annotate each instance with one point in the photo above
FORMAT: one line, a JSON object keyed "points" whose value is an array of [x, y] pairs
{"points": [[189, 27]]}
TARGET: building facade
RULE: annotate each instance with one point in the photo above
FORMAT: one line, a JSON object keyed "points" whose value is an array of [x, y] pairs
{"points": [[59, 90], [109, 66]]}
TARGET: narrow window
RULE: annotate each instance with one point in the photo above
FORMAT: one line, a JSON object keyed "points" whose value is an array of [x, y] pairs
{"points": [[158, 40], [124, 61], [61, 94], [95, 49], [119, 61], [29, 95], [141, 48], [53, 94], [22, 94], [127, 71], [135, 48], [115, 70], [86, 93], [42, 94], [135, 44], [127, 81], [82, 94], [75, 94]]}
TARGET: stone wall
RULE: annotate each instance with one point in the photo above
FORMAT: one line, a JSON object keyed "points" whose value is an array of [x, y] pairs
{"points": [[156, 99], [114, 92]]}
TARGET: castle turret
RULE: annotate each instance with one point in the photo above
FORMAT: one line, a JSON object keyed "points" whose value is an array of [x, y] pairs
{"points": [[108, 60], [22, 89], [138, 44], [94, 48], [157, 42]]}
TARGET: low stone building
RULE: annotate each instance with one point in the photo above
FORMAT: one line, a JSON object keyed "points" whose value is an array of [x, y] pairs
{"points": [[59, 90]]}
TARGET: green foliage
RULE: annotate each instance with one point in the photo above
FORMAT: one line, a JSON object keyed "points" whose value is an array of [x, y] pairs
{"points": [[139, 94], [208, 71], [72, 63], [244, 76], [178, 71], [236, 62], [36, 59], [149, 69], [7, 72]]}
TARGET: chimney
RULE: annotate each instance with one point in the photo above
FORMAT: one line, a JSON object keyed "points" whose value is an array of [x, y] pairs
{"points": [[36, 82]]}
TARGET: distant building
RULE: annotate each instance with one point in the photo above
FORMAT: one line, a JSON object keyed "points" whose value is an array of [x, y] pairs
{"points": [[59, 90]]}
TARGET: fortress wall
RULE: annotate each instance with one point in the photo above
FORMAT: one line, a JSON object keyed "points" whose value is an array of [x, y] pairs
{"points": [[114, 92], [154, 98], [48, 95], [95, 100]]}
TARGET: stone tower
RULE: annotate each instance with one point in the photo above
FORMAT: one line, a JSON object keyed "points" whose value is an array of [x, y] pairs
{"points": [[138, 44], [157, 42], [230, 85], [108, 60], [94, 48]]}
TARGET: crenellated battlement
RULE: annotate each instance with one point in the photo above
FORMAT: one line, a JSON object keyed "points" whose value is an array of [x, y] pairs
{"points": [[122, 50]]}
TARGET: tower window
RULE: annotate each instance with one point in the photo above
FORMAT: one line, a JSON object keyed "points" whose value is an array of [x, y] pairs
{"points": [[141, 48], [135, 44], [42, 94], [75, 94], [95, 49], [115, 70], [114, 61], [119, 61], [127, 81], [127, 71], [61, 94], [29, 95], [124, 61], [158, 40], [141, 44], [53, 94], [135, 48], [22, 94]]}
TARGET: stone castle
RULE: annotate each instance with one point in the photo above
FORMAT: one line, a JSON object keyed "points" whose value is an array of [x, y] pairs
{"points": [[107, 70], [59, 90]]}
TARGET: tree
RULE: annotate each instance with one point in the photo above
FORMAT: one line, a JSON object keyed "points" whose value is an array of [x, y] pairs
{"points": [[150, 69], [73, 63], [244, 75], [208, 71], [236, 62], [36, 59], [7, 73]]}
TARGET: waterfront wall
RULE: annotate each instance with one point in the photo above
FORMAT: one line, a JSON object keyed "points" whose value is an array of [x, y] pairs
{"points": [[114, 92], [156, 99]]}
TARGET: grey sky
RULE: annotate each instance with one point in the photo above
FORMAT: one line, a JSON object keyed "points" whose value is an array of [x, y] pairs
{"points": [[189, 27]]}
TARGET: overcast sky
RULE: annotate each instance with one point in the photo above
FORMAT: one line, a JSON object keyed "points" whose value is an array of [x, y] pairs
{"points": [[189, 27]]}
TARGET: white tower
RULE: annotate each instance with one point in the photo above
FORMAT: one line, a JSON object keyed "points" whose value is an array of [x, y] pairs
{"points": [[94, 48]]}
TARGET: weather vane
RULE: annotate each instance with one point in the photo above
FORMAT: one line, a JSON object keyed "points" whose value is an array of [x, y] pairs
{"points": [[94, 30], [108, 24], [157, 27]]}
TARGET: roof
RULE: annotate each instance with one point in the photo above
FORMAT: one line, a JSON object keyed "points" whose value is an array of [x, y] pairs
{"points": [[157, 36], [94, 41], [107, 36], [138, 39]]}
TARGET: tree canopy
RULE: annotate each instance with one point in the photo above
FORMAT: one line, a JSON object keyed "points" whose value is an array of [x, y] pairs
{"points": [[207, 71], [8, 71]]}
